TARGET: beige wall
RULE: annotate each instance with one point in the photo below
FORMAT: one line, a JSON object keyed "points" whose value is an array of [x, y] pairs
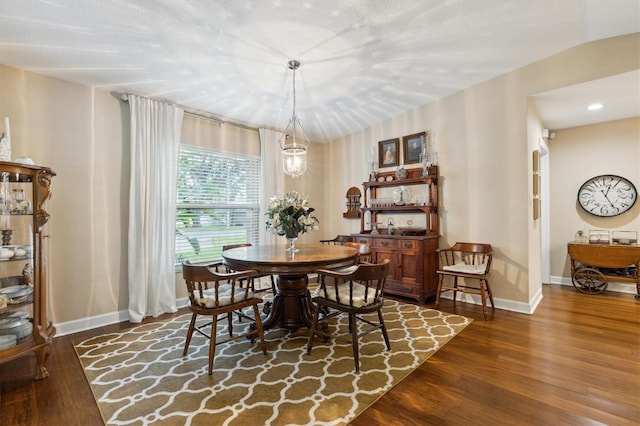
{"points": [[82, 135], [577, 155], [480, 135], [484, 147]]}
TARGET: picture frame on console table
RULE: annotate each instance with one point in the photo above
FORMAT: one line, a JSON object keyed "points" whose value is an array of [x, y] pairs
{"points": [[388, 152]]}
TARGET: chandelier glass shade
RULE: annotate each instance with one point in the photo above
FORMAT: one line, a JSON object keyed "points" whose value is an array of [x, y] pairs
{"points": [[294, 143]]}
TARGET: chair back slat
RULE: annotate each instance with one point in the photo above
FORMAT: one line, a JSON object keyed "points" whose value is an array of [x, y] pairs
{"points": [[468, 253], [208, 287], [359, 286]]}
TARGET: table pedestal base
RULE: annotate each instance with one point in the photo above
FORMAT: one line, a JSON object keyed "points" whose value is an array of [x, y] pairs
{"points": [[292, 307]]}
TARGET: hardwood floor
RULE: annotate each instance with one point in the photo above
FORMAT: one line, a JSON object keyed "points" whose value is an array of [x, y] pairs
{"points": [[575, 361]]}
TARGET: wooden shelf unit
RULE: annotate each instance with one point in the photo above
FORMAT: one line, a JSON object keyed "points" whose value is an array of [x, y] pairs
{"points": [[430, 209]]}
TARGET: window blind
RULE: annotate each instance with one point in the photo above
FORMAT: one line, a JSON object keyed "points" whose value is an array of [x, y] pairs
{"points": [[218, 203]]}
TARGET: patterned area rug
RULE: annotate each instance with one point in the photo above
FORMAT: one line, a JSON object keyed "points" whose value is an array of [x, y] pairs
{"points": [[139, 377]]}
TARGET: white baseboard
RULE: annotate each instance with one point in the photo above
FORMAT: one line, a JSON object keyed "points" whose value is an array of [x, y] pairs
{"points": [[530, 308], [70, 327], [617, 287], [506, 304]]}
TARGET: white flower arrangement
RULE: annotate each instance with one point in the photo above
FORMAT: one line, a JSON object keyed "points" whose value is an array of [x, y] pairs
{"points": [[290, 215]]}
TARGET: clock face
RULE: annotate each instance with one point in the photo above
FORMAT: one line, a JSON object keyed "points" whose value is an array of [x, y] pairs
{"points": [[607, 195]]}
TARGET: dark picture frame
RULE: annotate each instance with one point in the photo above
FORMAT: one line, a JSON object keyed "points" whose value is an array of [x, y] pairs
{"points": [[412, 146], [388, 153]]}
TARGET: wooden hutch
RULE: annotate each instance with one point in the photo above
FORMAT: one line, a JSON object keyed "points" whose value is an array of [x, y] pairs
{"points": [[411, 251]]}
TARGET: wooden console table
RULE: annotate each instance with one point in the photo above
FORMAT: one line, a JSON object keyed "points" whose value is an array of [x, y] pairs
{"points": [[593, 265]]}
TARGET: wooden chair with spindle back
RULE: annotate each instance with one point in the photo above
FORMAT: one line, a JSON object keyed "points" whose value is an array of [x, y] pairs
{"points": [[355, 292], [470, 262], [215, 294]]}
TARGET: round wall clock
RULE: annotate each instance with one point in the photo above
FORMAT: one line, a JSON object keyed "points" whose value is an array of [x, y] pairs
{"points": [[607, 195]]}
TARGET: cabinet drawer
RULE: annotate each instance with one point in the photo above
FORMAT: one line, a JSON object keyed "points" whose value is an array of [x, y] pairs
{"points": [[384, 242], [409, 245], [402, 288], [362, 240]]}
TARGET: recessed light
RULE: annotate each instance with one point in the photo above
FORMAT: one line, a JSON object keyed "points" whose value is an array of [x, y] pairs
{"points": [[595, 106]]}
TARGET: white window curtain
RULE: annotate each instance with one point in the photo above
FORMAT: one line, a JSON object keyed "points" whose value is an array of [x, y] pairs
{"points": [[155, 138], [272, 177]]}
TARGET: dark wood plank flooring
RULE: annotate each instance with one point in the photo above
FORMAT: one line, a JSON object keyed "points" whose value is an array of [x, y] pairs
{"points": [[575, 361]]}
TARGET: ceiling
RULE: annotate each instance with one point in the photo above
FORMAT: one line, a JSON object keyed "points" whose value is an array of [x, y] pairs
{"points": [[362, 61], [567, 107]]}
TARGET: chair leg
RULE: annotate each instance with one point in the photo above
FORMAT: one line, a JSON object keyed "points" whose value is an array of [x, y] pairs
{"points": [[384, 330], [486, 282], [483, 296], [260, 329], [354, 341], [192, 325], [312, 329], [455, 289], [212, 343], [229, 323], [440, 278]]}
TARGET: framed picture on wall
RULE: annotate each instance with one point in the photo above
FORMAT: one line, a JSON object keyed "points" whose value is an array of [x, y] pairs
{"points": [[412, 147], [388, 153]]}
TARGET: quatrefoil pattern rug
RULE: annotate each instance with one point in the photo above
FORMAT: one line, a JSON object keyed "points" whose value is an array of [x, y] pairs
{"points": [[139, 377]]}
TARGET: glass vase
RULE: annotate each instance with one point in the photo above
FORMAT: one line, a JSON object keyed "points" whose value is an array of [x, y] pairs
{"points": [[292, 236]]}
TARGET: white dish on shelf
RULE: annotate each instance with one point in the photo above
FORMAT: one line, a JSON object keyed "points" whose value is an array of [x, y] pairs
{"points": [[11, 323], [16, 291], [17, 250], [14, 315], [20, 252], [6, 253], [7, 341]]}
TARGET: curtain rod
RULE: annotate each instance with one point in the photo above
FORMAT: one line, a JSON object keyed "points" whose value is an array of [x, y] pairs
{"points": [[125, 97]]}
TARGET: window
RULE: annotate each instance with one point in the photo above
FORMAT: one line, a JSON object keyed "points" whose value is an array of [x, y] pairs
{"points": [[217, 203]]}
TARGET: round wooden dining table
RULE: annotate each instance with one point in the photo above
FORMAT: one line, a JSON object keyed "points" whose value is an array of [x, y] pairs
{"points": [[292, 307]]}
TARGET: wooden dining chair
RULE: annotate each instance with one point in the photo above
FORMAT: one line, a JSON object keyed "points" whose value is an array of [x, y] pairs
{"points": [[258, 276], [470, 262], [216, 294], [338, 240], [354, 293]]}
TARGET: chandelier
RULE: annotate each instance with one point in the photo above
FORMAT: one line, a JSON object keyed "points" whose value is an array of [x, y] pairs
{"points": [[294, 144]]}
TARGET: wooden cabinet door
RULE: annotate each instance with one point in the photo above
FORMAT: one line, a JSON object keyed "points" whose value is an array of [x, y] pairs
{"points": [[410, 262], [380, 254]]}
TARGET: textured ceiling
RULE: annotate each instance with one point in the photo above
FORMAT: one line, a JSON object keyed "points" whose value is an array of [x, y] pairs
{"points": [[363, 61]]}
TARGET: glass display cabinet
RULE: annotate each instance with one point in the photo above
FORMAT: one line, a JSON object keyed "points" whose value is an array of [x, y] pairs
{"points": [[24, 323]]}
